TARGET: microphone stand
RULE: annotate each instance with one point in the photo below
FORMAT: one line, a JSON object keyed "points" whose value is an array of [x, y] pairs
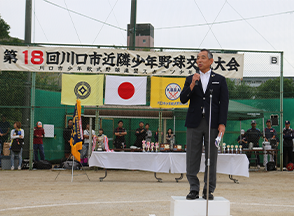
{"points": [[208, 153]]}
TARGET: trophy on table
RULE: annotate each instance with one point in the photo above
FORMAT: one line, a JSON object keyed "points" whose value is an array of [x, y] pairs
{"points": [[240, 149], [148, 146], [152, 146], [156, 146], [143, 145], [232, 149], [228, 148], [236, 146], [224, 148]]}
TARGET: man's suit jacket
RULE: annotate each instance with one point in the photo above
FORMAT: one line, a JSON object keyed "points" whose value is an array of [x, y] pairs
{"points": [[198, 100]]}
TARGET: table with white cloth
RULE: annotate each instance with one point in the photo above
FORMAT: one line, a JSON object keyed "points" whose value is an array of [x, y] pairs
{"points": [[166, 162]]}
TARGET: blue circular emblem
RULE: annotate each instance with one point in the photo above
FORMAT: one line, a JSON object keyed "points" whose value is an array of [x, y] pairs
{"points": [[172, 91]]}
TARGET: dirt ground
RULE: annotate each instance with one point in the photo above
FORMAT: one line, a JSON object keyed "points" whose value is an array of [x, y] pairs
{"points": [[135, 193]]}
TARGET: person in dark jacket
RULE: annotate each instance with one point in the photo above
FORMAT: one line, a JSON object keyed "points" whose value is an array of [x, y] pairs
{"points": [[288, 135], [66, 137], [198, 89], [140, 134], [253, 135]]}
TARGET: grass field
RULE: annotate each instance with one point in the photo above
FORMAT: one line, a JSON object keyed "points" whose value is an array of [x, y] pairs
{"points": [[135, 193]]}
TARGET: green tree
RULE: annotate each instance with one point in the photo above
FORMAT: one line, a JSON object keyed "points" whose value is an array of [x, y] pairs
{"points": [[271, 88], [240, 90], [4, 29]]}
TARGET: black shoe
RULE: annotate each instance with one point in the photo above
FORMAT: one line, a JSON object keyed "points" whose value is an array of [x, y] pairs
{"points": [[210, 196], [192, 195]]}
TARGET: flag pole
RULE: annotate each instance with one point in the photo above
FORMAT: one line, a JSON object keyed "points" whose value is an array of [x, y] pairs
{"points": [[73, 160]]}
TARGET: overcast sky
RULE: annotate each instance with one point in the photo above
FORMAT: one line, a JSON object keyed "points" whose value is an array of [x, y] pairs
{"points": [[214, 24]]}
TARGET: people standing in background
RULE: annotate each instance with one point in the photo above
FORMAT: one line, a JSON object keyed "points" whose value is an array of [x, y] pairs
{"points": [[85, 149], [288, 135], [38, 141], [140, 134], [156, 136], [17, 136], [66, 137], [270, 133], [169, 136], [242, 139], [4, 135], [120, 133], [148, 133], [253, 135]]}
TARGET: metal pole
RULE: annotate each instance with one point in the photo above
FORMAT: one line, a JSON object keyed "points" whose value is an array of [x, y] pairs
{"points": [[73, 162], [133, 25], [281, 112], [31, 155], [27, 91], [160, 127], [90, 138], [174, 130], [208, 155]]}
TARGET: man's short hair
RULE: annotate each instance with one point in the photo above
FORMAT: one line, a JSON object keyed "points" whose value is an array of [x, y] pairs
{"points": [[101, 129], [69, 120], [120, 121], [209, 54], [147, 124]]}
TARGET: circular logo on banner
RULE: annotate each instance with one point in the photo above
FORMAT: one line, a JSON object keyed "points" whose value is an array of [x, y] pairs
{"points": [[82, 90], [126, 90], [172, 91]]}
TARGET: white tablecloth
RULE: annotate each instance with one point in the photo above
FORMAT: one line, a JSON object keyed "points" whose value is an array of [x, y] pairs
{"points": [[231, 164], [154, 162]]}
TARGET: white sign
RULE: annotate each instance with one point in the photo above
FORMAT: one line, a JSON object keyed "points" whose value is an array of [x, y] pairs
{"points": [[113, 61], [49, 130]]}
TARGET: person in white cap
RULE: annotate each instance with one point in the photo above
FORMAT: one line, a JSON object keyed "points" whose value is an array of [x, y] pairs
{"points": [[38, 141], [242, 139]]}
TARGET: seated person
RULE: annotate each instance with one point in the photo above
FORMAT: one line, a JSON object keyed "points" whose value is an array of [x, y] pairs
{"points": [[120, 133]]}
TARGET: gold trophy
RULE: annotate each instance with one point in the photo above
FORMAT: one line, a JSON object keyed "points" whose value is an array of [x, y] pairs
{"points": [[224, 148], [232, 147], [240, 149], [236, 147], [228, 148]]}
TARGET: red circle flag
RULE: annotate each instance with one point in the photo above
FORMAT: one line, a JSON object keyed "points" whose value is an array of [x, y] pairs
{"points": [[126, 90]]}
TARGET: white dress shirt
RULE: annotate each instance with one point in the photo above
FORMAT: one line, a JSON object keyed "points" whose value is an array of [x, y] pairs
{"points": [[204, 77]]}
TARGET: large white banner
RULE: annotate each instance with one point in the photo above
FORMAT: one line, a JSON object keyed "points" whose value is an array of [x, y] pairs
{"points": [[113, 61]]}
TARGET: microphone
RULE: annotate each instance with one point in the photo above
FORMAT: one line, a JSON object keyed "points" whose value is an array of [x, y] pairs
{"points": [[197, 71], [211, 90]]}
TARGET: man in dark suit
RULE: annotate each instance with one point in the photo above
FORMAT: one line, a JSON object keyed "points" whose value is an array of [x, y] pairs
{"points": [[197, 89]]}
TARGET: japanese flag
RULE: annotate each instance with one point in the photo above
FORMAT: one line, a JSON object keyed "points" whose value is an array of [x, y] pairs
{"points": [[125, 90]]}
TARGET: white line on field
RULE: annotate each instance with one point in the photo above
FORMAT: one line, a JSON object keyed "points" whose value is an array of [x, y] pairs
{"points": [[90, 203], [263, 204], [79, 203]]}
